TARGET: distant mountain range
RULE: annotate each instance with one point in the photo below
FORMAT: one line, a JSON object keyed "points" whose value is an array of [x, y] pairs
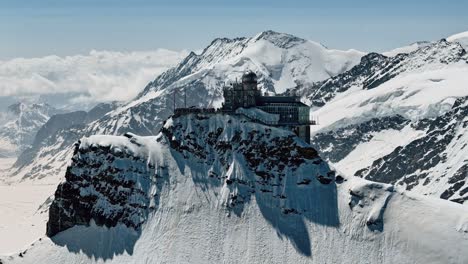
{"points": [[19, 125]]}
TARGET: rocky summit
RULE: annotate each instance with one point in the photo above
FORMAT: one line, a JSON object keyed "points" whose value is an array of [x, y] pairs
{"points": [[111, 184]]}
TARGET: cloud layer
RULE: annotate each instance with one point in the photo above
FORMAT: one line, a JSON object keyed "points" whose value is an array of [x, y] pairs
{"points": [[97, 77]]}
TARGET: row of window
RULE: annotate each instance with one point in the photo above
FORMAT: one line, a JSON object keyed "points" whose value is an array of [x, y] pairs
{"points": [[289, 113]]}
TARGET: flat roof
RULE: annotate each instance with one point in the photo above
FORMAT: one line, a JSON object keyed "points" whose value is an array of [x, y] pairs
{"points": [[293, 100]]}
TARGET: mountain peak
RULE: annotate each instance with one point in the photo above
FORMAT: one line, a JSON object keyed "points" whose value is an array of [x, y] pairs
{"points": [[447, 50], [16, 108], [20, 107], [281, 40], [223, 40]]}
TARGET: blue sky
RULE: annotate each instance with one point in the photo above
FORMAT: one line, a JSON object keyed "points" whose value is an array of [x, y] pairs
{"points": [[65, 27]]}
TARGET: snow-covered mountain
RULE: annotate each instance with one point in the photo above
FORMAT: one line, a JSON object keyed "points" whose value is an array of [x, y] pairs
{"points": [[461, 38], [399, 120], [218, 188], [376, 69], [24, 204], [182, 194], [20, 123], [282, 61]]}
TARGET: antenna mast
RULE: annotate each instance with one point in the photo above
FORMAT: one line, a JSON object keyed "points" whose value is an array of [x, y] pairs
{"points": [[173, 101]]}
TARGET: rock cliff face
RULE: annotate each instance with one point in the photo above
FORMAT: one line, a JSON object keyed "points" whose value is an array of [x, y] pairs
{"points": [[119, 182], [98, 187], [427, 155]]}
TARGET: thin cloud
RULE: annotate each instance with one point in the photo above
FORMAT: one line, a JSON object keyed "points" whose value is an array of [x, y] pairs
{"points": [[97, 77]]}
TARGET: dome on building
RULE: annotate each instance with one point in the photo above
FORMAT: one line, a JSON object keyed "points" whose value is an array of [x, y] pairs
{"points": [[249, 77]]}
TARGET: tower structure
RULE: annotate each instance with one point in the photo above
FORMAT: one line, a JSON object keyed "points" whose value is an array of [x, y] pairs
{"points": [[244, 94], [291, 112]]}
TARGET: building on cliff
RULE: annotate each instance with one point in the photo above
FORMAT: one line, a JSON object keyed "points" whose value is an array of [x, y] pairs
{"points": [[245, 98], [291, 112]]}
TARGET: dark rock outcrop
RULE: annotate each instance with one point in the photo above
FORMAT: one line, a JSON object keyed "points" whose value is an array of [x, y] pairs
{"points": [[109, 181], [98, 188]]}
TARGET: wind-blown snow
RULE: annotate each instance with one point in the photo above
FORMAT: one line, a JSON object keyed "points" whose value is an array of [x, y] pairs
{"points": [[461, 38], [406, 49], [417, 230]]}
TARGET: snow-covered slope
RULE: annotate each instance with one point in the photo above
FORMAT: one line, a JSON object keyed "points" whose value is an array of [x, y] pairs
{"points": [[399, 120], [461, 38], [282, 61], [406, 49], [20, 123], [23, 214], [438, 155], [220, 189]]}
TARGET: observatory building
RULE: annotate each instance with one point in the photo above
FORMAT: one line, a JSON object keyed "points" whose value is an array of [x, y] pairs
{"points": [[289, 110]]}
